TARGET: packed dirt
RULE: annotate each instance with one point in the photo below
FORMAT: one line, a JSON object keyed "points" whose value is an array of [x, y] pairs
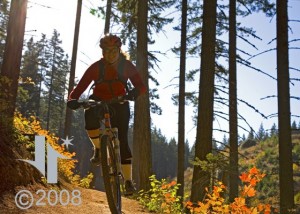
{"points": [[91, 201], [19, 178]]}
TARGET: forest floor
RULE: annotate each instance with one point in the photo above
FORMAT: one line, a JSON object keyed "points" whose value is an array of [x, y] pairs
{"points": [[92, 202], [19, 177]]}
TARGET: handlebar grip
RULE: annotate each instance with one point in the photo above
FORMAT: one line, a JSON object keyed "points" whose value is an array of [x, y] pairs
{"points": [[73, 104]]}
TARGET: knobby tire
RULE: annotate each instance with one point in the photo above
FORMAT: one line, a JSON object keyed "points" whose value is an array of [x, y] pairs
{"points": [[110, 177]]}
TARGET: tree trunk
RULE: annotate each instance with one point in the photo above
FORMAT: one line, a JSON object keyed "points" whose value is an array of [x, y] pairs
{"points": [[233, 131], [68, 119], [142, 130], [107, 17], [39, 96], [203, 145], [13, 51], [50, 92], [284, 114], [181, 110]]}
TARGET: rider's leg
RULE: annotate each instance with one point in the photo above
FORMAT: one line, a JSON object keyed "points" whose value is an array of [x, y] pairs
{"points": [[94, 137], [92, 125], [127, 171], [120, 120]]}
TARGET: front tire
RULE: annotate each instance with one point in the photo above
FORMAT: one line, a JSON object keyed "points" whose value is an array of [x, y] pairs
{"points": [[111, 178]]}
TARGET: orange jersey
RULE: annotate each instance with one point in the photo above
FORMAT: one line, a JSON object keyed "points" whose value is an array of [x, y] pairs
{"points": [[110, 86]]}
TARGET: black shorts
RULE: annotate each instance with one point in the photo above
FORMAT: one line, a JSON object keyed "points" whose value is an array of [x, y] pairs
{"points": [[120, 115]]}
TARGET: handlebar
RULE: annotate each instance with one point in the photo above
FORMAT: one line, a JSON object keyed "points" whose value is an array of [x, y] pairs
{"points": [[75, 104]]}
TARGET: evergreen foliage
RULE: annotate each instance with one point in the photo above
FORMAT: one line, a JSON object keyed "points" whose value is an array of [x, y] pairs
{"points": [[3, 26], [164, 155], [43, 84], [28, 101]]}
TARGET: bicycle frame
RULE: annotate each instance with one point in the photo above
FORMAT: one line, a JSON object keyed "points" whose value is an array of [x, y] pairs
{"points": [[110, 156], [111, 162], [112, 133]]}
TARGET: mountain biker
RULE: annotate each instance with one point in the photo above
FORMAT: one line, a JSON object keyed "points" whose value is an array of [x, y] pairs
{"points": [[115, 70]]}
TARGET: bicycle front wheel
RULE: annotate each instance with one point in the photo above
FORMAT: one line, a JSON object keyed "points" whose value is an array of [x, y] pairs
{"points": [[111, 178]]}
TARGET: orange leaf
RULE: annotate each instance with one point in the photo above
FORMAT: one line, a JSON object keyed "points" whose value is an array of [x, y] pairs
{"points": [[251, 192], [189, 203], [173, 183], [253, 182], [260, 207], [267, 209], [253, 170], [167, 195], [164, 186], [244, 177]]}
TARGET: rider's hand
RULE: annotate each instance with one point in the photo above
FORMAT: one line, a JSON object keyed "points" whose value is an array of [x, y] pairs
{"points": [[73, 104], [133, 94]]}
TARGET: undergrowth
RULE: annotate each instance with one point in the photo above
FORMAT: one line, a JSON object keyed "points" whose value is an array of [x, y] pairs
{"points": [[24, 127], [162, 198]]}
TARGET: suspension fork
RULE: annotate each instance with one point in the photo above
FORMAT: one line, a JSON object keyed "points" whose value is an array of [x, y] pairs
{"points": [[115, 140]]}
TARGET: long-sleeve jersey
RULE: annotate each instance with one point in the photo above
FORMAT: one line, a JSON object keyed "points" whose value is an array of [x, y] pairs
{"points": [[109, 87]]}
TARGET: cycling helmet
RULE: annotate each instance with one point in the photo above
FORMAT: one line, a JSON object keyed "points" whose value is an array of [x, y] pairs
{"points": [[110, 40]]}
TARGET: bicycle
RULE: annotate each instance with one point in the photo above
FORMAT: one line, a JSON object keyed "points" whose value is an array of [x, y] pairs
{"points": [[109, 153]]}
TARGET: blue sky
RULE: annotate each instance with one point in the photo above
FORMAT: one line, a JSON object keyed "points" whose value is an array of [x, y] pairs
{"points": [[46, 15]]}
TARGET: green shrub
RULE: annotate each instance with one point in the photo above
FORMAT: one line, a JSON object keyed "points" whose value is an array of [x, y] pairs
{"points": [[83, 182], [161, 198], [297, 198]]}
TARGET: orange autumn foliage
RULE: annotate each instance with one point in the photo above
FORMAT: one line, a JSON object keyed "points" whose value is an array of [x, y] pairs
{"points": [[33, 126], [214, 202]]}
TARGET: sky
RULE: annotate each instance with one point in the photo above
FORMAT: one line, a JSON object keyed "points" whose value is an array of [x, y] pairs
{"points": [[43, 16]]}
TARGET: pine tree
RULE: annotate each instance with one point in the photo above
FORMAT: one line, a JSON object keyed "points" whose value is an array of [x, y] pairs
{"points": [[273, 130], [181, 101], [30, 80], [172, 158], [261, 134], [187, 155], [294, 125], [204, 136], [159, 153], [68, 119], [243, 137], [251, 135], [243, 8], [44, 57], [4, 13], [12, 57], [55, 82], [225, 141], [107, 16], [233, 119], [284, 111], [61, 92]]}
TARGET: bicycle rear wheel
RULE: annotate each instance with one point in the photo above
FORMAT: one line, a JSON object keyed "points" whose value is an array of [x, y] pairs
{"points": [[111, 178]]}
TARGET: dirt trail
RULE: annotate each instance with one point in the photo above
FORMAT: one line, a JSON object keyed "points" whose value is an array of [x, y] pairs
{"points": [[14, 174], [92, 202]]}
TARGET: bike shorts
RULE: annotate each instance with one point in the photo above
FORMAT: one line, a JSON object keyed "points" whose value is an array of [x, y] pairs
{"points": [[120, 115]]}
